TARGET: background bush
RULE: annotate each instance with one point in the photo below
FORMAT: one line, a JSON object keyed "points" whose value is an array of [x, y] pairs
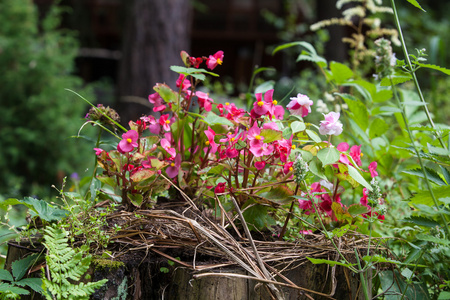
{"points": [[37, 114]]}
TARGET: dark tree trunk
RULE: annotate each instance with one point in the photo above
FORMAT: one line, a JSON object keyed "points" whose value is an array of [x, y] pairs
{"points": [[155, 33]]}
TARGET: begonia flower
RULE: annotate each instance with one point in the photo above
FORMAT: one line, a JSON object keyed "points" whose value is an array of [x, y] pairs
{"points": [[331, 125], [220, 188], [165, 122], [204, 101], [128, 142], [157, 102], [167, 146], [261, 107], [214, 60], [259, 165], [355, 153], [210, 134], [271, 125], [173, 168], [300, 105], [98, 151], [183, 82], [372, 169], [288, 167]]}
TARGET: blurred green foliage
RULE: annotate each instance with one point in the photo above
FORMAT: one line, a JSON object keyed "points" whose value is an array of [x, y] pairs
{"points": [[38, 116]]}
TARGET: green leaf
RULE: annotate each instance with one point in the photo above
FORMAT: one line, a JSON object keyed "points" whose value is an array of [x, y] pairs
{"points": [[358, 112], [8, 288], [444, 295], [328, 155], [34, 283], [431, 174], [166, 92], [341, 231], [341, 72], [377, 128], [5, 275], [213, 119], [297, 126], [416, 4], [309, 55], [382, 95], [394, 285], [446, 174], [142, 174], [37, 207], [20, 267], [313, 136], [424, 197], [136, 199], [287, 133], [258, 217], [432, 239], [421, 221], [357, 209], [315, 167], [396, 79], [354, 173], [279, 195], [271, 135], [317, 261]]}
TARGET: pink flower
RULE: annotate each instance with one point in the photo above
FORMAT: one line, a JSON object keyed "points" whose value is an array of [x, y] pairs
{"points": [[98, 151], [128, 142], [283, 148], [288, 167], [165, 122], [167, 146], [172, 169], [271, 125], [342, 147], [306, 232], [259, 148], [372, 169], [364, 200], [157, 101], [195, 61], [214, 60], [220, 188], [355, 153], [204, 100], [331, 125], [306, 205], [260, 165], [261, 107], [153, 125], [300, 105], [182, 82], [210, 134]]}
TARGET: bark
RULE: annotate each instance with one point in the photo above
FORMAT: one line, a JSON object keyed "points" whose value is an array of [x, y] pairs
{"points": [[155, 33]]}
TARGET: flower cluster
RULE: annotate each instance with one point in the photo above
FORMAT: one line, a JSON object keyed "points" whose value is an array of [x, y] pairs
{"points": [[222, 149]]}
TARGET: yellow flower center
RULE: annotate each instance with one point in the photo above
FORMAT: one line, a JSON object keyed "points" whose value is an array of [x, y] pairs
{"points": [[258, 137], [291, 169], [227, 103], [129, 140], [293, 147], [219, 61], [260, 103], [207, 143], [361, 155], [167, 121], [274, 102], [172, 165], [232, 139]]}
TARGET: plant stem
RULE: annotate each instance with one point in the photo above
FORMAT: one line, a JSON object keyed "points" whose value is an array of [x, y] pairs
{"points": [[361, 276], [413, 73], [283, 230], [422, 166]]}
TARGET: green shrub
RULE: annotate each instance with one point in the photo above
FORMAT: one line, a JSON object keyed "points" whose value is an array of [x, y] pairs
{"points": [[37, 114]]}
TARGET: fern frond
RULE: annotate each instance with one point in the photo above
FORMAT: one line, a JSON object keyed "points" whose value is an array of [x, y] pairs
{"points": [[65, 263]]}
